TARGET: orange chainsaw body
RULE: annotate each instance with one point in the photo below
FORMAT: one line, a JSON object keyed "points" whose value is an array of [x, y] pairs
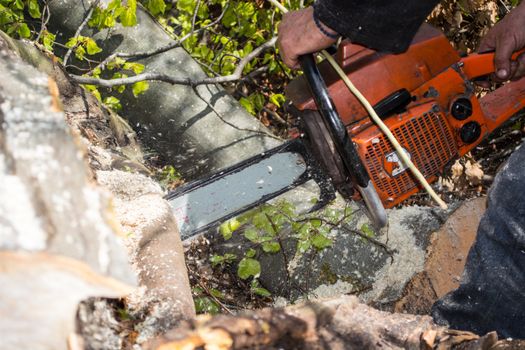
{"points": [[442, 121]]}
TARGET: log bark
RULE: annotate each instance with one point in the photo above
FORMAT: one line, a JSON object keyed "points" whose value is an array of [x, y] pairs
{"points": [[342, 323], [58, 243]]}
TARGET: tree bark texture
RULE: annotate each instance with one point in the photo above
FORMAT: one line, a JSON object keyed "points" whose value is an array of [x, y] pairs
{"points": [[342, 323]]}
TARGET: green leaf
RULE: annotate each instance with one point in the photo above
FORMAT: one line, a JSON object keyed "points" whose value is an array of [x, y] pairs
{"points": [[225, 231], [248, 267], [114, 5], [113, 103], [367, 231], [80, 52], [206, 305], [186, 5], [261, 291], [197, 290], [108, 21], [93, 89], [303, 246], [156, 7], [227, 228], [140, 87], [260, 220], [216, 293], [250, 253], [128, 17], [24, 31], [48, 40], [71, 42], [222, 259], [321, 242], [271, 247], [137, 68], [277, 99], [34, 9], [316, 222], [97, 18], [251, 235], [18, 4], [91, 47], [248, 105]]}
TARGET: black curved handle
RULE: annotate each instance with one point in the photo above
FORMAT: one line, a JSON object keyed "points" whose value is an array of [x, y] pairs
{"points": [[353, 164], [335, 126]]}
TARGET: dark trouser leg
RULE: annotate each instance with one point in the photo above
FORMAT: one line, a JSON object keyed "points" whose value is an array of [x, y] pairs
{"points": [[491, 295]]}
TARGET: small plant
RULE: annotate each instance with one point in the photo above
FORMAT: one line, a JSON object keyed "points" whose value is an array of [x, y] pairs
{"points": [[204, 302], [268, 227], [169, 178]]}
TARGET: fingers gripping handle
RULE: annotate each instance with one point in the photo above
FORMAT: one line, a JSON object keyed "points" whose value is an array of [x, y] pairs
{"points": [[480, 64], [498, 105]]}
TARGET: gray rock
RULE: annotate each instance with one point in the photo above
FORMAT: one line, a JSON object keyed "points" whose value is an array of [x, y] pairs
{"points": [[376, 269]]}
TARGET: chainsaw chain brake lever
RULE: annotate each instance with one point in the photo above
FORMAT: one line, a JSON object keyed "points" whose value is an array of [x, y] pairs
{"points": [[344, 145]]}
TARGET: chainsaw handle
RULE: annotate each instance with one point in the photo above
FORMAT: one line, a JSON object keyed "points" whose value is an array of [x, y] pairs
{"points": [[332, 120], [479, 64], [499, 105], [342, 140]]}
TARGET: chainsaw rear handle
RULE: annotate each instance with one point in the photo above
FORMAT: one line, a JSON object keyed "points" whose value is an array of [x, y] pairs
{"points": [[480, 64], [498, 105], [342, 141]]}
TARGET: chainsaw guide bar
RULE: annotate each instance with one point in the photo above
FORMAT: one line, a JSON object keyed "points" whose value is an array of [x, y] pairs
{"points": [[203, 204]]}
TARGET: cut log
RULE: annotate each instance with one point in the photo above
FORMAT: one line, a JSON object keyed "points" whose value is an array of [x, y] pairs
{"points": [[342, 323]]}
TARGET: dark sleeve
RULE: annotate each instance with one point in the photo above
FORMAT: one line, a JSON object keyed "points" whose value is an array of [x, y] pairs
{"points": [[383, 25]]}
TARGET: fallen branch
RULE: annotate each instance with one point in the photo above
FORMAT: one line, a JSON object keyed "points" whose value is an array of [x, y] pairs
{"points": [[236, 75]]}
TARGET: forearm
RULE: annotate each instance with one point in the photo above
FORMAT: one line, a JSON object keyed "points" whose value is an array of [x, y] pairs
{"points": [[383, 25]]}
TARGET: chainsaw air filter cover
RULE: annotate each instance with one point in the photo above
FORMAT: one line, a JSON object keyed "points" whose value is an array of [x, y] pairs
{"points": [[428, 141]]}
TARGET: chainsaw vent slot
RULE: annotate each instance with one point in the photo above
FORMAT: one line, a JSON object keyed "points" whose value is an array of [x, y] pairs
{"points": [[430, 143]]}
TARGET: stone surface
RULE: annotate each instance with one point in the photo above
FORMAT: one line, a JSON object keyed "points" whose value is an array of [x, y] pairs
{"points": [[376, 269], [173, 120]]}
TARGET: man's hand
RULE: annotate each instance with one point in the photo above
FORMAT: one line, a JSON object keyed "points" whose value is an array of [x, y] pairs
{"points": [[299, 35], [507, 37]]}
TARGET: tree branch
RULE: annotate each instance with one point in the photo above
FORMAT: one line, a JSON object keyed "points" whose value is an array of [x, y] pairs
{"points": [[170, 46], [80, 29], [236, 75]]}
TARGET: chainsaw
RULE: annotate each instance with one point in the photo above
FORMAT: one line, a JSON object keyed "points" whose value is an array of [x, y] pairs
{"points": [[425, 96]]}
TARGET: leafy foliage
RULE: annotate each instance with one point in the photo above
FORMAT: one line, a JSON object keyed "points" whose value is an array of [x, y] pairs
{"points": [[116, 11], [268, 227], [14, 16]]}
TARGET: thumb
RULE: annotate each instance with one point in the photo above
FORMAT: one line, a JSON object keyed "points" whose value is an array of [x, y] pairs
{"points": [[504, 50]]}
